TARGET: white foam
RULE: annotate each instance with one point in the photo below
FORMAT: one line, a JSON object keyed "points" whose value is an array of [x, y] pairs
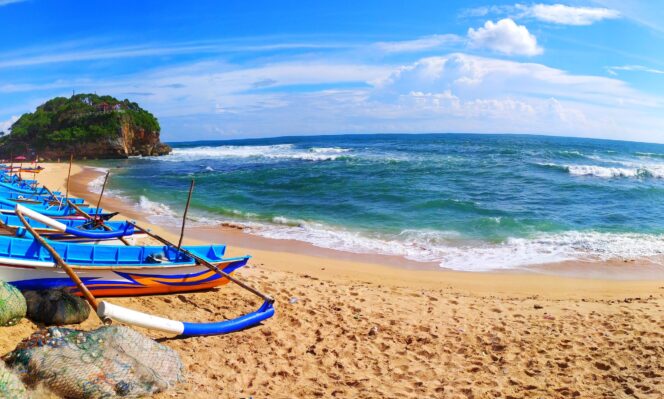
{"points": [[451, 251], [656, 171], [96, 184], [329, 150], [157, 212], [278, 151]]}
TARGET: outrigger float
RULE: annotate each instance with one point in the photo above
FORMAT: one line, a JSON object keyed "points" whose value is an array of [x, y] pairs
{"points": [[29, 261]]}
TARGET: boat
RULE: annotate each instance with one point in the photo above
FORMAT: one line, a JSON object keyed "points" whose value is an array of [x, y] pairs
{"points": [[91, 271], [7, 206], [72, 230], [113, 270]]}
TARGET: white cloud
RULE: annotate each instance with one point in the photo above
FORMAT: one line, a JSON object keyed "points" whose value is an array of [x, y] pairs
{"points": [[634, 68], [552, 13], [54, 55], [7, 2], [5, 125], [420, 44], [452, 93], [506, 37], [472, 77], [566, 15]]}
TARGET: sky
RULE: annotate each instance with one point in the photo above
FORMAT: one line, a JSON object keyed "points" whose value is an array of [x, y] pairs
{"points": [[239, 69]]}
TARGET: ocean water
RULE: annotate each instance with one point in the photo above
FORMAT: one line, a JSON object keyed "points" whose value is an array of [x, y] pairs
{"points": [[466, 202]]}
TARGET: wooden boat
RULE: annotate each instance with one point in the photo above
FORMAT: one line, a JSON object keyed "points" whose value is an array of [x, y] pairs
{"points": [[92, 270], [7, 206], [113, 270], [71, 230]]}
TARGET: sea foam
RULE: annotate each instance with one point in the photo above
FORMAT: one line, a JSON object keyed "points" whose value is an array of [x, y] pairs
{"points": [[450, 250], [278, 151]]}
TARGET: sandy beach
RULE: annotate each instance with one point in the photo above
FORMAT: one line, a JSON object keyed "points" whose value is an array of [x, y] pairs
{"points": [[374, 329]]}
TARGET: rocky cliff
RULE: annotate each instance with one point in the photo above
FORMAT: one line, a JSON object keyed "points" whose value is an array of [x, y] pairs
{"points": [[87, 126]]}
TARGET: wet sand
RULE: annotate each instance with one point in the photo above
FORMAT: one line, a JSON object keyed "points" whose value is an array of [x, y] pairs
{"points": [[374, 329]]}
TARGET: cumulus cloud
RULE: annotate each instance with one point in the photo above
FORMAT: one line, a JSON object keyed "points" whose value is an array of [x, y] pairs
{"points": [[420, 44], [504, 36], [567, 15], [452, 93]]}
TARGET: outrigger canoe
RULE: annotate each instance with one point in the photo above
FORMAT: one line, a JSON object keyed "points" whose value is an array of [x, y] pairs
{"points": [[7, 206], [114, 270]]}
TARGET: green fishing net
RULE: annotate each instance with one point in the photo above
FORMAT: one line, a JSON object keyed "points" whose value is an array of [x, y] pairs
{"points": [[110, 362], [56, 307], [11, 386], [12, 304]]}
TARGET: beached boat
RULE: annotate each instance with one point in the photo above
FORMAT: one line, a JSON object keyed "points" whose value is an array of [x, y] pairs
{"points": [[71, 230], [113, 270], [39, 198], [7, 206]]}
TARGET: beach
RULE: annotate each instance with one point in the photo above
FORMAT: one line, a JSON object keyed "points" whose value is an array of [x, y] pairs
{"points": [[377, 329]]}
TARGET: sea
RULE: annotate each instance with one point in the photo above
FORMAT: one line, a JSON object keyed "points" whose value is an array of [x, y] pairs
{"points": [[466, 202]]}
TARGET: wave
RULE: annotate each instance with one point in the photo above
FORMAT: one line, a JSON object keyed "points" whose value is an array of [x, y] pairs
{"points": [[450, 250], [278, 151], [629, 170], [649, 155], [96, 184], [608, 172]]}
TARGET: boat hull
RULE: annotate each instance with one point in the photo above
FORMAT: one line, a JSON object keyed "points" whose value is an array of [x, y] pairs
{"points": [[118, 280]]}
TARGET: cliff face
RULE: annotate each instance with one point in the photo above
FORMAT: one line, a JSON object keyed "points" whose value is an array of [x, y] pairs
{"points": [[133, 141], [87, 126], [129, 142]]}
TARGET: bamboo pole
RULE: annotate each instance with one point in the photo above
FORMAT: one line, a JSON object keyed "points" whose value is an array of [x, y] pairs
{"points": [[71, 159], [184, 216], [103, 187], [205, 263], [11, 165], [61, 263]]}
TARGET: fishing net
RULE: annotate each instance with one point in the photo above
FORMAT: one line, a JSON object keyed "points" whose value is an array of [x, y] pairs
{"points": [[109, 362], [56, 307], [11, 386], [12, 304]]}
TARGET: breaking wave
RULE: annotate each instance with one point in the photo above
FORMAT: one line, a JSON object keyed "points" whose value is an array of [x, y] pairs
{"points": [[278, 151], [628, 170], [448, 249]]}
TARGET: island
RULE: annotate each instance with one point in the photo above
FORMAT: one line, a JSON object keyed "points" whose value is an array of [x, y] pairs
{"points": [[87, 126]]}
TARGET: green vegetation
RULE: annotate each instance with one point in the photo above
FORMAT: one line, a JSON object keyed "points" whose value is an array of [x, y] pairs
{"points": [[82, 118]]}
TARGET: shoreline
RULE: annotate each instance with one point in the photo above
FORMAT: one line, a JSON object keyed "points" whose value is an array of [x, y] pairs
{"points": [[365, 330], [292, 255]]}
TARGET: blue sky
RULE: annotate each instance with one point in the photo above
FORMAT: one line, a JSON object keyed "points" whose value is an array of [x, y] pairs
{"points": [[232, 69]]}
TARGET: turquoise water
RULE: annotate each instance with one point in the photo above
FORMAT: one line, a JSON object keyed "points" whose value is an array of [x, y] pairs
{"points": [[468, 202]]}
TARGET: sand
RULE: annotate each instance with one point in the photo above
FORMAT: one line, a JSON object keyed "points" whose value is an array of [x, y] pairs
{"points": [[372, 330]]}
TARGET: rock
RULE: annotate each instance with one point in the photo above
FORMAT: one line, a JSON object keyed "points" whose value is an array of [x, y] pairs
{"points": [[56, 307], [537, 306]]}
